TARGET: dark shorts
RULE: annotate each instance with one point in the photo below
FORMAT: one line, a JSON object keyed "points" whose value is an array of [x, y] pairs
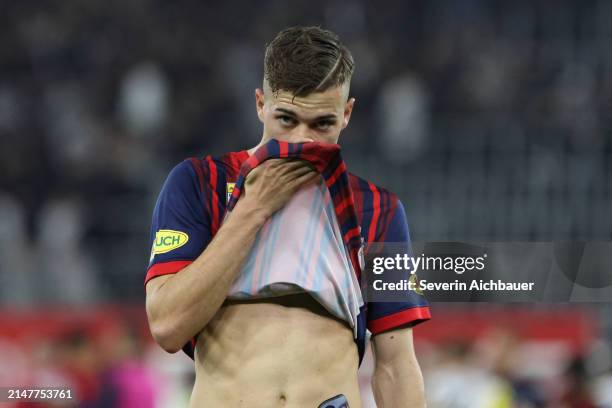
{"points": [[339, 401]]}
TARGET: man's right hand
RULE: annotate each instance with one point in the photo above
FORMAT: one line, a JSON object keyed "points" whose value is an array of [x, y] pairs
{"points": [[270, 186]]}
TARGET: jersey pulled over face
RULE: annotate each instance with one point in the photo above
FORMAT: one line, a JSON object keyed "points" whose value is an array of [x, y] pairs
{"points": [[302, 247], [341, 212]]}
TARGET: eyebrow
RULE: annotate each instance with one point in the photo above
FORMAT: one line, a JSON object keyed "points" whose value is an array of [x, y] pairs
{"points": [[318, 118]]}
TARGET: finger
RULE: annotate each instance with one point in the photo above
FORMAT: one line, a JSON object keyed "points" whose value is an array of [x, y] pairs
{"points": [[279, 170], [299, 172], [273, 162], [304, 179], [281, 161], [292, 165], [253, 175], [290, 172]]}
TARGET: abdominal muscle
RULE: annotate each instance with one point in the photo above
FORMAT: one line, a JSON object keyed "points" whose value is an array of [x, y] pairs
{"points": [[278, 352]]}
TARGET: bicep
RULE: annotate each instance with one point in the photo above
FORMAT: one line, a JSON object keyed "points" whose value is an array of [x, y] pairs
{"points": [[153, 295], [393, 345]]}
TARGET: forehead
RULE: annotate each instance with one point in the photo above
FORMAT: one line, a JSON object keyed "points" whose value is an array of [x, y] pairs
{"points": [[331, 100]]}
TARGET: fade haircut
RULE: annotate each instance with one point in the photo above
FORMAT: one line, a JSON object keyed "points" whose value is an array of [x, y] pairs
{"points": [[304, 60]]}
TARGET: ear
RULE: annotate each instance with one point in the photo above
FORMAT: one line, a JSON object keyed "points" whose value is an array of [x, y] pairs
{"points": [[348, 110], [259, 103]]}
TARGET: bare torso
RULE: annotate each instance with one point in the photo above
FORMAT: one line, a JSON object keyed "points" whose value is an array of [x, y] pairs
{"points": [[280, 352]]}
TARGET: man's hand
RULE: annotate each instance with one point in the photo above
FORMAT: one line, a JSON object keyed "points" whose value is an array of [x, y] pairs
{"points": [[269, 186], [180, 305], [397, 380]]}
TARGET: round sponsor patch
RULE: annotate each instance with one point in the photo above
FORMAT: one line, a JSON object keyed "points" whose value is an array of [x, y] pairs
{"points": [[168, 240]]}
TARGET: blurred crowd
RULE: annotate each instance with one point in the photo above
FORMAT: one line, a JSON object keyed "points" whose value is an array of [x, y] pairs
{"points": [[112, 365], [501, 370], [490, 120]]}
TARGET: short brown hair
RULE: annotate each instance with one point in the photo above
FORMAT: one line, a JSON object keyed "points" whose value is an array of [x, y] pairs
{"points": [[302, 60]]}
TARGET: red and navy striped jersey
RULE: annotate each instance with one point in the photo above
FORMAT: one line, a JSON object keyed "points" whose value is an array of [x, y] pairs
{"points": [[312, 244], [198, 192]]}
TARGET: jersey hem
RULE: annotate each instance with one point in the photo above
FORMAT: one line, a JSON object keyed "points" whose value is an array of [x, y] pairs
{"points": [[165, 268], [414, 315]]}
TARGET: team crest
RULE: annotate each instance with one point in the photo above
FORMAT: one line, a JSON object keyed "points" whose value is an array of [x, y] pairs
{"points": [[230, 190]]}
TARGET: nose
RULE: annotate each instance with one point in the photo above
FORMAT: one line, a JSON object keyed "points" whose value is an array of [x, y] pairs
{"points": [[302, 134]]}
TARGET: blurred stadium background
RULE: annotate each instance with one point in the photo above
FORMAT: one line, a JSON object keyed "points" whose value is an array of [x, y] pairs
{"points": [[492, 120]]}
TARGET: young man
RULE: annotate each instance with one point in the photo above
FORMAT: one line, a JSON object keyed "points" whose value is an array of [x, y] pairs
{"points": [[282, 350]]}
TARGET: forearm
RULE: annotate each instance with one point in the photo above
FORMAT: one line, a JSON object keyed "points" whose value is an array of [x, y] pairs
{"points": [[188, 300], [398, 385], [397, 380]]}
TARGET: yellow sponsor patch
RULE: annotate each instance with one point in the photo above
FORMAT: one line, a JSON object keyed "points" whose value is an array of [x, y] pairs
{"points": [[168, 240], [230, 190]]}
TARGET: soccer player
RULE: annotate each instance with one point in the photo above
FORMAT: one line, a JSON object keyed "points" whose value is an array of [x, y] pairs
{"points": [[285, 350]]}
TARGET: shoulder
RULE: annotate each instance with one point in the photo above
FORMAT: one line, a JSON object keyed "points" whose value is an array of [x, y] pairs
{"points": [[202, 173], [206, 169], [378, 209], [370, 195], [212, 169], [182, 176]]}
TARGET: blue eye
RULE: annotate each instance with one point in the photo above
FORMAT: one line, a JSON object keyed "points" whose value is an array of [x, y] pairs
{"points": [[286, 120], [324, 125]]}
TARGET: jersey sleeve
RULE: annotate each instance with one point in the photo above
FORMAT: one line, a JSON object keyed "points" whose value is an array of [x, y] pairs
{"points": [[413, 309], [180, 227]]}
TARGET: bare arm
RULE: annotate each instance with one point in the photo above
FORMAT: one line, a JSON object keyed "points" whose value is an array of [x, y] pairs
{"points": [[180, 305], [397, 380]]}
